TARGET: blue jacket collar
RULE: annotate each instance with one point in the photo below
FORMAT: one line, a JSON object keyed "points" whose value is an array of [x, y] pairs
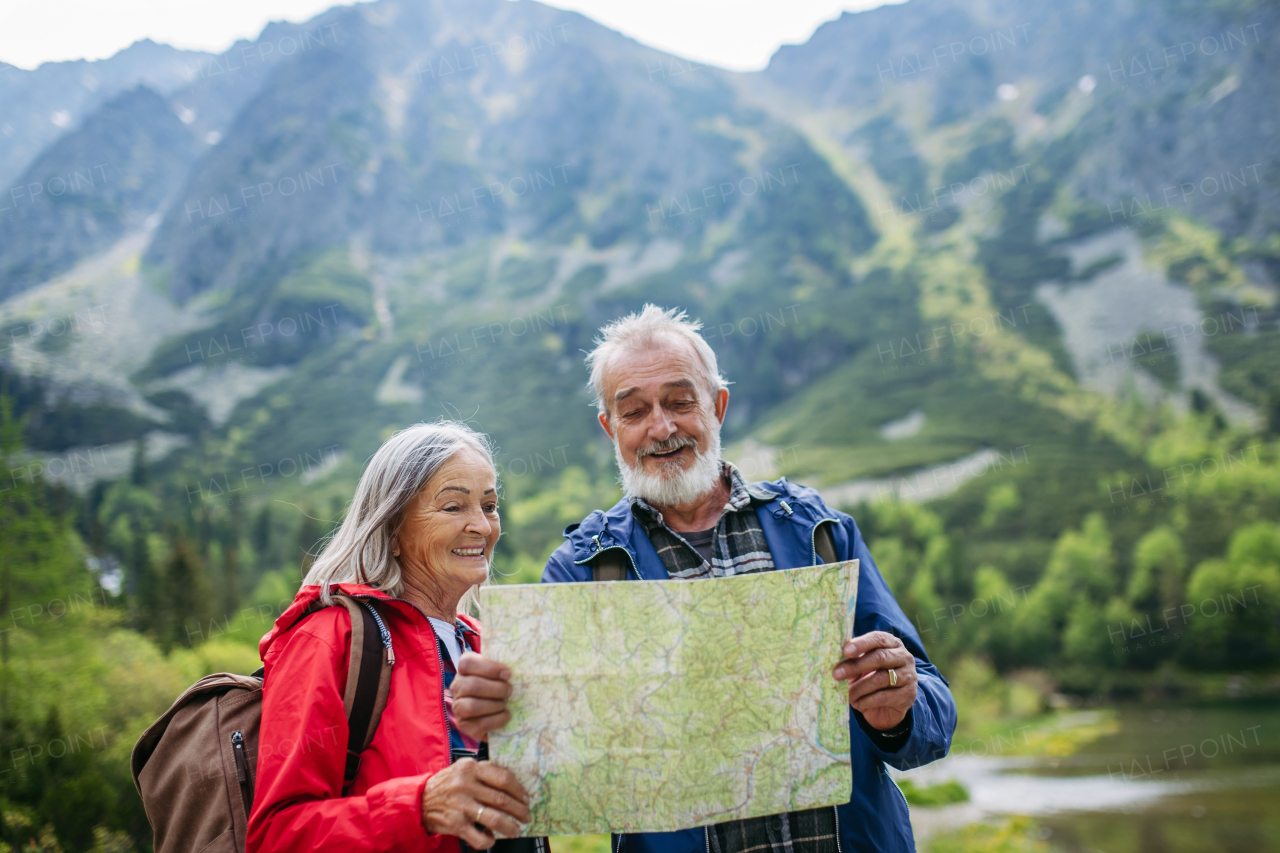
{"points": [[617, 527]]}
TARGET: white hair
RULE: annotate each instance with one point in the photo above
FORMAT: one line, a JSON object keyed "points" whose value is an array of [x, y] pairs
{"points": [[646, 327], [359, 551], [671, 486]]}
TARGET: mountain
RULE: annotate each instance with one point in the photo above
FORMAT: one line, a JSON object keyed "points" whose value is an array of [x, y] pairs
{"points": [[948, 251], [93, 185], [999, 278], [40, 104]]}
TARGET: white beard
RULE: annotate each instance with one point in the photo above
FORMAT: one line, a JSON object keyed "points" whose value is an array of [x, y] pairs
{"points": [[675, 486]]}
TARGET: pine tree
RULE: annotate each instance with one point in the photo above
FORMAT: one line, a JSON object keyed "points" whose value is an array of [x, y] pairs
{"points": [[187, 595], [261, 539], [308, 541]]}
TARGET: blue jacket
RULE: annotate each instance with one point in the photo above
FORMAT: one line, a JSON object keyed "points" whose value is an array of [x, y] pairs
{"points": [[876, 818]]}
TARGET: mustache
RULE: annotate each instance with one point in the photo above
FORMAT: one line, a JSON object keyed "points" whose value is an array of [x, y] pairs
{"points": [[666, 446]]}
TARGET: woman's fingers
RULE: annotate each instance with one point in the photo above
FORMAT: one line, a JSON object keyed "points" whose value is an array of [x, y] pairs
{"points": [[480, 688], [497, 815], [479, 727], [474, 663], [504, 781], [477, 837], [472, 792], [480, 692], [469, 706]]}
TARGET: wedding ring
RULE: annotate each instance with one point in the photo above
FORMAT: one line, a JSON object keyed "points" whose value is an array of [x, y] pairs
{"points": [[893, 678], [479, 813]]}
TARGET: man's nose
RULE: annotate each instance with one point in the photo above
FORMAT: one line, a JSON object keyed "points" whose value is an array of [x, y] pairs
{"points": [[661, 426]]}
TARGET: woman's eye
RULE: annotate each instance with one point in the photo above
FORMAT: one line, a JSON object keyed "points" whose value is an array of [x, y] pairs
{"points": [[491, 508]]}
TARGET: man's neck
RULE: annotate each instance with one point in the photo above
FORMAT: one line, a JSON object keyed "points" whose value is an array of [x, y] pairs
{"points": [[700, 514]]}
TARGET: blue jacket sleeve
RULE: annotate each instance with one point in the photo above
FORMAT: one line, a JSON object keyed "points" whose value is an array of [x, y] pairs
{"points": [[560, 567], [934, 712]]}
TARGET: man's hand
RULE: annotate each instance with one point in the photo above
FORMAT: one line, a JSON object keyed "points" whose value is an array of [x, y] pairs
{"points": [[476, 801], [868, 660], [480, 693]]}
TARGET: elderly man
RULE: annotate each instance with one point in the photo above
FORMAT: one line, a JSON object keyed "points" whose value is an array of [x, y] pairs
{"points": [[689, 514]]}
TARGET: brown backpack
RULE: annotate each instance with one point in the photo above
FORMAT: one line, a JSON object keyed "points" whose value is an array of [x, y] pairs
{"points": [[195, 766]]}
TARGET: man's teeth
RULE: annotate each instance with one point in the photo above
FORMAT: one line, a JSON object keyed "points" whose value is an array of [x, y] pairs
{"points": [[468, 552]]}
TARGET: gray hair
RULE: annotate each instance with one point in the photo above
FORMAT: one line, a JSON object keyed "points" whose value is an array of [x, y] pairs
{"points": [[645, 328], [359, 551]]}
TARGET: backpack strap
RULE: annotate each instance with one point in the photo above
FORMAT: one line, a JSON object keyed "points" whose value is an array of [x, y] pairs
{"points": [[609, 565], [368, 680], [823, 543]]}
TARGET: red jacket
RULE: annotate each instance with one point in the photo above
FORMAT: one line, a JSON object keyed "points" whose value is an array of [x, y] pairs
{"points": [[298, 802]]}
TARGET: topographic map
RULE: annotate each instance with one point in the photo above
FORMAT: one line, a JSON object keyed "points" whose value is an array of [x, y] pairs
{"points": [[650, 706]]}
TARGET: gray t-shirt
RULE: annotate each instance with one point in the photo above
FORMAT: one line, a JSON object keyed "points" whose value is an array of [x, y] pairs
{"points": [[703, 541]]}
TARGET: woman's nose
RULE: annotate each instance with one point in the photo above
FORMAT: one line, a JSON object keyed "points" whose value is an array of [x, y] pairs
{"points": [[477, 521]]}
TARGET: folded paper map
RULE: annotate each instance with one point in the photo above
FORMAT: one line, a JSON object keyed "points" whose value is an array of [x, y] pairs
{"points": [[649, 706]]}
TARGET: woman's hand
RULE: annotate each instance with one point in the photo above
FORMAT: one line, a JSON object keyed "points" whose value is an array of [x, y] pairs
{"points": [[454, 798], [480, 693]]}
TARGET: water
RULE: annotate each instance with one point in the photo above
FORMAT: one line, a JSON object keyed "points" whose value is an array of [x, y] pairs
{"points": [[1173, 778]]}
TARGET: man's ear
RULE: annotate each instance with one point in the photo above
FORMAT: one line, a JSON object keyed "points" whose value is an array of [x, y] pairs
{"points": [[722, 403], [603, 417]]}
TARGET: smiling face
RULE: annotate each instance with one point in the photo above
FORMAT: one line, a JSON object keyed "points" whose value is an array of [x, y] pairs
{"points": [[449, 529], [665, 422]]}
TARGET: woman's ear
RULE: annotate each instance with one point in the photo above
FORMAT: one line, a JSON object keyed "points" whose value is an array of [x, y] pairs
{"points": [[395, 546]]}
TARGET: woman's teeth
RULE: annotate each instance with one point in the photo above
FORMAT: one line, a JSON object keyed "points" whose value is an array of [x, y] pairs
{"points": [[468, 552]]}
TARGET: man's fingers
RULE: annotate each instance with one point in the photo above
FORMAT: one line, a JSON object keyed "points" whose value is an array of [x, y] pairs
{"points": [[859, 646], [480, 686], [878, 681], [895, 698], [473, 663], [502, 779], [881, 658]]}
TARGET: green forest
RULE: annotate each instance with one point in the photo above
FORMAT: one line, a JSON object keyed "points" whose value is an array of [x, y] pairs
{"points": [[1171, 592]]}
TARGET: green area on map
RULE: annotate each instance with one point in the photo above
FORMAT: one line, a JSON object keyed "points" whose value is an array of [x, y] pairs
{"points": [[651, 706]]}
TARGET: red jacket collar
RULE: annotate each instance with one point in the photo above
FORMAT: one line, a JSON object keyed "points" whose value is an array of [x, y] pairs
{"points": [[309, 594]]}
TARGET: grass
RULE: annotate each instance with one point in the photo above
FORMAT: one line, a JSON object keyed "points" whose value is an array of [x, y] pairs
{"points": [[942, 794], [580, 843]]}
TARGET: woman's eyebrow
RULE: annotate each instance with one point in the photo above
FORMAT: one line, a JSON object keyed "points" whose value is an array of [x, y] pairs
{"points": [[454, 488]]}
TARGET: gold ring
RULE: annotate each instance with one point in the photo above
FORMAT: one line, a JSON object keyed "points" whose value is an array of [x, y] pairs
{"points": [[479, 813], [893, 678]]}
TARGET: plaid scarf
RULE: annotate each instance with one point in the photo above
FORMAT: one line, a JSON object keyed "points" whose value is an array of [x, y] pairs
{"points": [[739, 547]]}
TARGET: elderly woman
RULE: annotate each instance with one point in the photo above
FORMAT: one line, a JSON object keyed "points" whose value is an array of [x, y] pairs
{"points": [[417, 540]]}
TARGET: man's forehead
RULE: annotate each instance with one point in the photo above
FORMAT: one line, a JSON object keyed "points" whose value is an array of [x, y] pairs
{"points": [[655, 365]]}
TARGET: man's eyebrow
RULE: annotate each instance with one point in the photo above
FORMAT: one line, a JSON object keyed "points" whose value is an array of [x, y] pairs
{"points": [[675, 383]]}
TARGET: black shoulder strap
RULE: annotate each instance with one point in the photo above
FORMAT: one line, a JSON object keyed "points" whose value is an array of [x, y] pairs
{"points": [[823, 543], [368, 682], [609, 565]]}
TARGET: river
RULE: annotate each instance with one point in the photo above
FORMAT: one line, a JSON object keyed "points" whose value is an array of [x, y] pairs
{"points": [[1174, 777]]}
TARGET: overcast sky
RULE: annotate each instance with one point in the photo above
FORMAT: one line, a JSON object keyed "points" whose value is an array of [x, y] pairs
{"points": [[738, 34]]}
